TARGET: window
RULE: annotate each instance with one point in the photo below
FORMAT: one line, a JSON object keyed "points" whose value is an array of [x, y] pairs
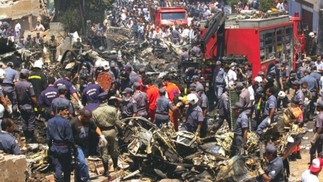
{"points": [[173, 16]]}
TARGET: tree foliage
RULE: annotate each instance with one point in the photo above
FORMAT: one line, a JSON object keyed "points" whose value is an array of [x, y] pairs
{"points": [[266, 5], [71, 20]]}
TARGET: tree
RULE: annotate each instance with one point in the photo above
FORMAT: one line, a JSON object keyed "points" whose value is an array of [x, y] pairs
{"points": [[266, 5]]}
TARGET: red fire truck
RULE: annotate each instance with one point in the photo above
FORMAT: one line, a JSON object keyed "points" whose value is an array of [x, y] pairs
{"points": [[168, 16], [260, 41]]}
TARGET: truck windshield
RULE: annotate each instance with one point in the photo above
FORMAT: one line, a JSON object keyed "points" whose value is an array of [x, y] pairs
{"points": [[173, 16]]}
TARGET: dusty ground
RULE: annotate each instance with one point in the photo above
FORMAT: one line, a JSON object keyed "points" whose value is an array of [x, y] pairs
{"points": [[300, 165]]}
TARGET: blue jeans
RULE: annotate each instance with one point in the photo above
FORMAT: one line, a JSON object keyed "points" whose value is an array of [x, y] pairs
{"points": [[82, 170]]}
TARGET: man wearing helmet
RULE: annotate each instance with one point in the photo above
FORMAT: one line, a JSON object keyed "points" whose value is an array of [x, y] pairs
{"points": [[26, 102], [37, 78], [194, 115]]}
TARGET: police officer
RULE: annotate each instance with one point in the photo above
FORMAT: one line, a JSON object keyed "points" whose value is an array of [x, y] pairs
{"points": [[37, 78], [70, 88], [299, 69], [128, 104], [269, 112], [204, 104], [26, 102], [224, 111], [8, 84], [244, 97], [275, 167], [82, 127], [196, 81], [141, 100], [194, 115], [106, 118], [218, 80], [52, 45], [46, 97], [240, 130], [61, 99], [315, 74], [8, 142], [90, 95], [312, 87], [163, 105], [60, 142], [317, 140]]}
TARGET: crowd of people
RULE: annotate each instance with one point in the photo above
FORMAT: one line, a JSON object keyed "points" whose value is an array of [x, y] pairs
{"points": [[77, 117]]}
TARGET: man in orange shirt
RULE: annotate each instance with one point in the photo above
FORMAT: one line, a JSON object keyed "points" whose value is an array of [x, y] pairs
{"points": [[152, 96], [172, 92], [171, 89]]}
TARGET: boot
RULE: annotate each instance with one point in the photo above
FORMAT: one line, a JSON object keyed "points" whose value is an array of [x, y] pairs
{"points": [[292, 157], [106, 169], [298, 155], [115, 164]]}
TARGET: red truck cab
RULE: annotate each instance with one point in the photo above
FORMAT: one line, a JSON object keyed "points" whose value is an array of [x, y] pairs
{"points": [[168, 16]]}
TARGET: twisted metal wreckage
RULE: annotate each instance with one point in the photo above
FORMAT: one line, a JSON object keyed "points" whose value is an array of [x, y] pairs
{"points": [[159, 153]]}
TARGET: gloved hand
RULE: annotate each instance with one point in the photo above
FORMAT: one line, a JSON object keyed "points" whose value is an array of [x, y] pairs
{"points": [[131, 123], [103, 142], [269, 121], [179, 104], [9, 109], [80, 104]]}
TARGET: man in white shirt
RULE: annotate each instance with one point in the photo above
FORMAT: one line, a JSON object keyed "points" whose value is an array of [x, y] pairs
{"points": [[232, 75], [39, 27], [311, 174]]}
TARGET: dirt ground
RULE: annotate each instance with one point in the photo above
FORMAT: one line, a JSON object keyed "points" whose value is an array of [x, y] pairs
{"points": [[300, 165]]}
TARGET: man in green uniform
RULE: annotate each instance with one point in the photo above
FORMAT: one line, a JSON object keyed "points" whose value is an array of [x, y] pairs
{"points": [[52, 45]]}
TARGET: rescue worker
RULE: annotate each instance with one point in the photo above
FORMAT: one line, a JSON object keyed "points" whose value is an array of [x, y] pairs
{"points": [[231, 76], [299, 94], [106, 118], [244, 98], [194, 115], [141, 100], [171, 89], [317, 140], [128, 104], [37, 78], [240, 130], [70, 88], [26, 102], [61, 99], [311, 174], [38, 42], [46, 97], [259, 89], [218, 80], [315, 74], [60, 142], [163, 105], [11, 76], [313, 88], [269, 112], [90, 95], [204, 104], [196, 81], [78, 46], [29, 44], [224, 111], [152, 92], [275, 167], [299, 69], [8, 142], [52, 45], [82, 127]]}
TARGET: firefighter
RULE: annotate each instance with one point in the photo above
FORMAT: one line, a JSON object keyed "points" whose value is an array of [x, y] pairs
{"points": [[37, 78], [26, 102]]}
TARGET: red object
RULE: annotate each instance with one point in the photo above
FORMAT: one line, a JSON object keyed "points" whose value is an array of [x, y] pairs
{"points": [[260, 40], [152, 96], [172, 91], [168, 16]]}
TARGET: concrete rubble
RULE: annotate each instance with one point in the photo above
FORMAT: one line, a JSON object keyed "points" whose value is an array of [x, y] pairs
{"points": [[13, 167]]}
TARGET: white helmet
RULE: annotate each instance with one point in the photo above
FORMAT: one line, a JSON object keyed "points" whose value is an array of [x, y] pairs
{"points": [[2, 74], [311, 34], [281, 94], [105, 65], [258, 79], [192, 99], [38, 64]]}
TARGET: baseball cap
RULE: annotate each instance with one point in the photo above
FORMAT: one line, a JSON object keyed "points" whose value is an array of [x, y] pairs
{"points": [[200, 88], [162, 91], [127, 90], [136, 85], [315, 166], [239, 85], [192, 86], [24, 71], [61, 87], [270, 148]]}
